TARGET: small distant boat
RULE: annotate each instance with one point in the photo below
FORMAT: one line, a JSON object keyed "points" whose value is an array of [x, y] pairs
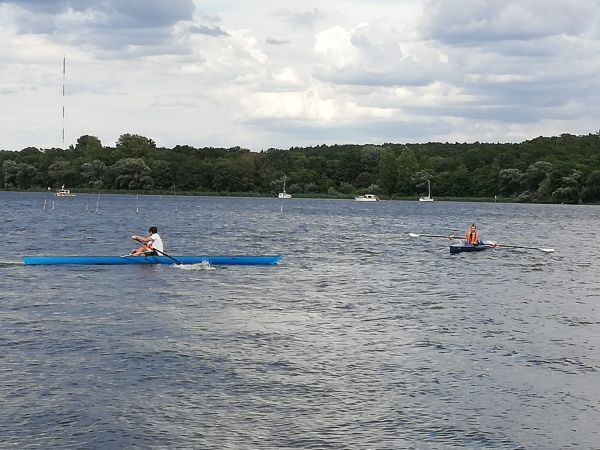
{"points": [[428, 198], [482, 245], [366, 198], [284, 194], [62, 192], [466, 247]]}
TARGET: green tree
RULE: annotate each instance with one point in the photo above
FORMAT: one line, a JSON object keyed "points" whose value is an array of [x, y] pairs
{"points": [[61, 173], [419, 181], [536, 173], [10, 169], [195, 175], [370, 156], [131, 173], [162, 174], [30, 155], [570, 191], [591, 191], [364, 179], [90, 146], [346, 188], [94, 173], [134, 145], [388, 172], [333, 170], [407, 167], [461, 182], [511, 181], [227, 177], [311, 188], [26, 173], [247, 167]]}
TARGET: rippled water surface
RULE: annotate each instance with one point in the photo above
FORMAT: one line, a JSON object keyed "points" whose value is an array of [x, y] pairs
{"points": [[362, 338]]}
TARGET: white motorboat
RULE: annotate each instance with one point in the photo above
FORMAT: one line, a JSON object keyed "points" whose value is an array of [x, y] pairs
{"points": [[428, 198], [62, 192], [366, 198]]}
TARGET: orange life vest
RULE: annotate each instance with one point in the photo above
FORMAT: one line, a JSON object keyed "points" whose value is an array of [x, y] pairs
{"points": [[472, 237]]}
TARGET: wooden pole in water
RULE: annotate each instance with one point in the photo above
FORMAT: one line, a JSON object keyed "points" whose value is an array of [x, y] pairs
{"points": [[175, 197]]}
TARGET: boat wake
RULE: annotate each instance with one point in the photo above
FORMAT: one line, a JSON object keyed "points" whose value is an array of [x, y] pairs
{"points": [[11, 263], [204, 265]]}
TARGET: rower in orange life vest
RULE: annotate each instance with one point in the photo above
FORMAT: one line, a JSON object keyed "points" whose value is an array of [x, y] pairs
{"points": [[472, 236]]}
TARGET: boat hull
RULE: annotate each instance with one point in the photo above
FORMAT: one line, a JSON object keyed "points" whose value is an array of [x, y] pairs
{"points": [[124, 260], [454, 249]]}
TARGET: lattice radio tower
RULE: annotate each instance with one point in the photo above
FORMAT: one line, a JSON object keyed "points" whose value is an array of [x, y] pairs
{"points": [[63, 98]]}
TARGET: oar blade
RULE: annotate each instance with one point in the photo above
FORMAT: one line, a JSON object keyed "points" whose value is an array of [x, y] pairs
{"points": [[545, 250], [445, 236]]}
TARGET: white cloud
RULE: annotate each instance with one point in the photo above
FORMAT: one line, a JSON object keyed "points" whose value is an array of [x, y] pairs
{"points": [[377, 55], [335, 47], [260, 75]]}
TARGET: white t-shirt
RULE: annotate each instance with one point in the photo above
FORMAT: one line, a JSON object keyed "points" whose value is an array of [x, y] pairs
{"points": [[156, 242]]}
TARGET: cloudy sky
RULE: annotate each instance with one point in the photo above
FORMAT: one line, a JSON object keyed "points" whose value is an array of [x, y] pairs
{"points": [[266, 73]]}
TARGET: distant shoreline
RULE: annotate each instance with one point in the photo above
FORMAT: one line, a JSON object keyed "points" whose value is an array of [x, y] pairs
{"points": [[274, 196]]}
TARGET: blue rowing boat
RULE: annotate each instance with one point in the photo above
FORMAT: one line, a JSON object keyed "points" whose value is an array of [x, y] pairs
{"points": [[466, 247], [124, 260]]}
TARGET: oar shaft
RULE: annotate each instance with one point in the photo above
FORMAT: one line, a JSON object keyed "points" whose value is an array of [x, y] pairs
{"points": [[524, 247], [168, 256], [162, 253], [445, 236]]}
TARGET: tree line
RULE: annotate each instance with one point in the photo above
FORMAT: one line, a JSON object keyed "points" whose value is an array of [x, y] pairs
{"points": [[560, 169]]}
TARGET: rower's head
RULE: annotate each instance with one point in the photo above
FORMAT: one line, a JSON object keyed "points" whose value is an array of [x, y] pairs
{"points": [[153, 230], [473, 227]]}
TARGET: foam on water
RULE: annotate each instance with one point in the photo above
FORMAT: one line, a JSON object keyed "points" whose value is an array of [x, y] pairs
{"points": [[204, 265]]}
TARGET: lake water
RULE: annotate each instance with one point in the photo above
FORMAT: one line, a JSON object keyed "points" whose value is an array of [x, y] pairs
{"points": [[362, 338]]}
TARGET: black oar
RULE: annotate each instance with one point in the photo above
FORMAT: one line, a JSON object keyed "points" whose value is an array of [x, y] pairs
{"points": [[499, 245], [168, 256], [447, 236], [158, 251]]}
